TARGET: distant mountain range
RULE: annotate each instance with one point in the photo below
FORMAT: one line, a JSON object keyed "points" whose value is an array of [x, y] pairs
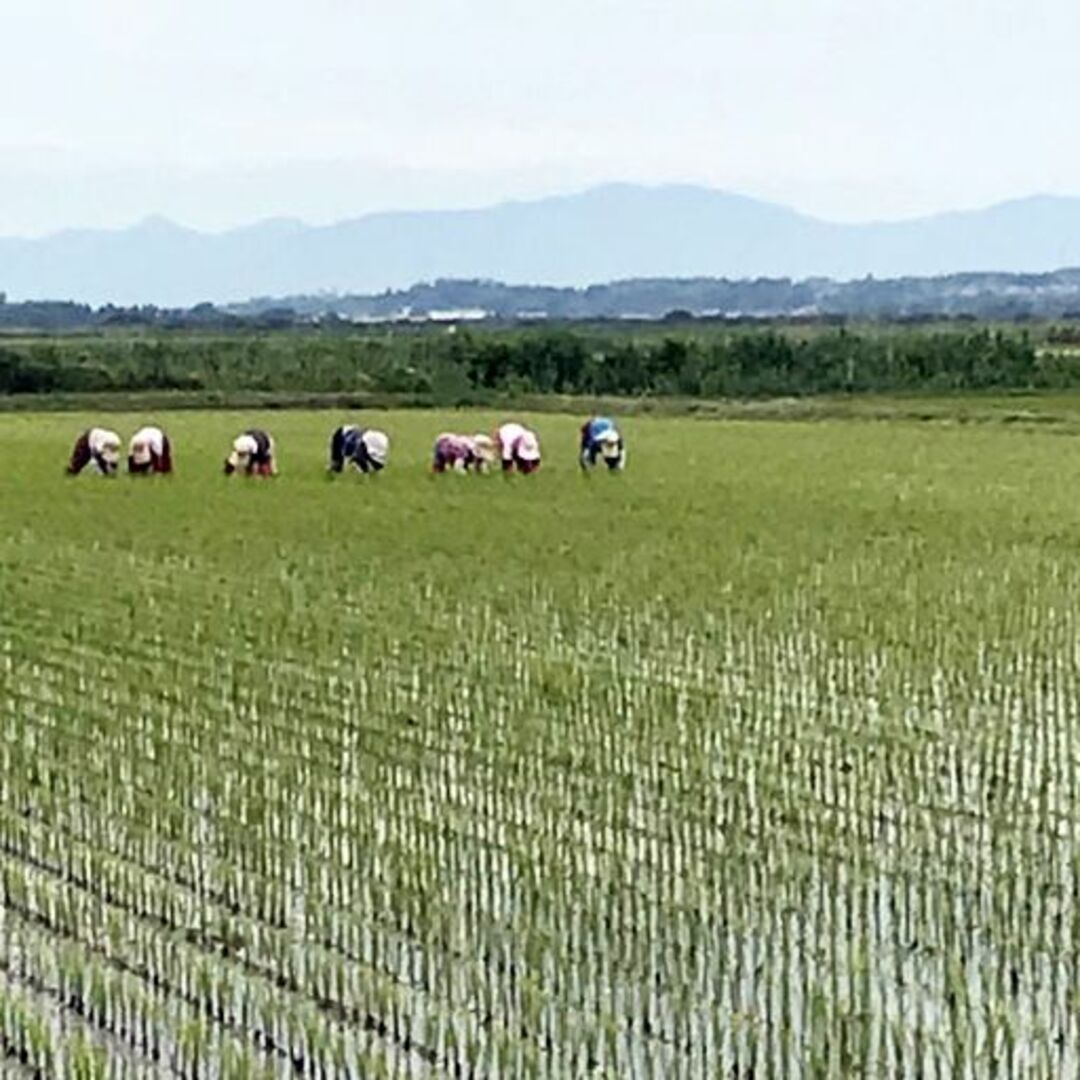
{"points": [[609, 233]]}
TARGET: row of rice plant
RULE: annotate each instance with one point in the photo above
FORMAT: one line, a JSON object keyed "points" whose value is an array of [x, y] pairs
{"points": [[536, 825]]}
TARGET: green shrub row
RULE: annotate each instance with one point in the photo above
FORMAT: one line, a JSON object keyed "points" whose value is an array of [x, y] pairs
{"points": [[470, 365]]}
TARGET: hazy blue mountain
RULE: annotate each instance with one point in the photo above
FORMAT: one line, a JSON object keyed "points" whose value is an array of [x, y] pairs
{"points": [[609, 233]]}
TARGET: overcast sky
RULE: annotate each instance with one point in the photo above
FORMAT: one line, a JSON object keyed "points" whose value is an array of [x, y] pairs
{"points": [[221, 112]]}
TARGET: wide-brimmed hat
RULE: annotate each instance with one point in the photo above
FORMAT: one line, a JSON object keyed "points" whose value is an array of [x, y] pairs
{"points": [[528, 447], [378, 446], [484, 445], [105, 439]]}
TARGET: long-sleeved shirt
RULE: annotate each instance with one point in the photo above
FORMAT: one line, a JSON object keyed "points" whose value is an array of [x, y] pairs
{"points": [[454, 451], [517, 445]]}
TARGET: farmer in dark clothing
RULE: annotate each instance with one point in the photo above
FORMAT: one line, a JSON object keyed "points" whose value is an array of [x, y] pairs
{"points": [[252, 454], [601, 439], [367, 449]]}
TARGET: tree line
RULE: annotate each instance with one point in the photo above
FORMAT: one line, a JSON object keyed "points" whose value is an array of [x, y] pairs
{"points": [[476, 365], [968, 296]]}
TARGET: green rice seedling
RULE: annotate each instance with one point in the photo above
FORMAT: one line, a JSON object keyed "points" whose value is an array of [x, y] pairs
{"points": [[759, 758]]}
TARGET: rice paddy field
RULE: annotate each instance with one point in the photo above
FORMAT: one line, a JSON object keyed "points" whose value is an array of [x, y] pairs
{"points": [[759, 760]]}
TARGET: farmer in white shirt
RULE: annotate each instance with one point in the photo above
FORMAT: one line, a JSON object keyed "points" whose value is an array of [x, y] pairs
{"points": [[149, 452], [97, 447]]}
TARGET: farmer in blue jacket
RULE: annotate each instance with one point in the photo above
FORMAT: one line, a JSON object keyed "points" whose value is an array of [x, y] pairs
{"points": [[600, 439]]}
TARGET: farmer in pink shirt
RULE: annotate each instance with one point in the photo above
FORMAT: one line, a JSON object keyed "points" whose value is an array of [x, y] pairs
{"points": [[462, 453], [519, 448]]}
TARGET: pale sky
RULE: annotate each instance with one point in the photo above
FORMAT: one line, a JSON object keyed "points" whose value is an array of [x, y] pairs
{"points": [[221, 112]]}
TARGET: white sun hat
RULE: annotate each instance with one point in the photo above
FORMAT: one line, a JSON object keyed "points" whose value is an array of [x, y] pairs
{"points": [[104, 443], [378, 446], [144, 443], [528, 447], [103, 439], [484, 446]]}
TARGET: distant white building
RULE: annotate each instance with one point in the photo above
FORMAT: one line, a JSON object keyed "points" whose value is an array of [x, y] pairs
{"points": [[454, 315]]}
